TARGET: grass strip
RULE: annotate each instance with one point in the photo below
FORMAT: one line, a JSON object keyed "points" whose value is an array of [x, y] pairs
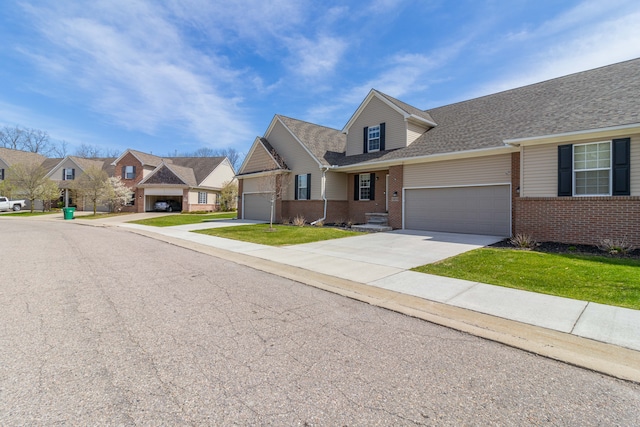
{"points": [[611, 281], [280, 235]]}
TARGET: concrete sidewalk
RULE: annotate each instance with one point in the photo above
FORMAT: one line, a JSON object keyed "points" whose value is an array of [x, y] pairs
{"points": [[350, 262]]}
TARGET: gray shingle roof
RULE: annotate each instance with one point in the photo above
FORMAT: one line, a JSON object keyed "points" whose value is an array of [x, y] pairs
{"points": [[407, 108], [326, 144], [202, 166], [602, 97]]}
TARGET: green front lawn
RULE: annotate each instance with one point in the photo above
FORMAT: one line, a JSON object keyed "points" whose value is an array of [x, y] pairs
{"points": [[611, 281], [280, 235], [27, 213], [185, 218]]}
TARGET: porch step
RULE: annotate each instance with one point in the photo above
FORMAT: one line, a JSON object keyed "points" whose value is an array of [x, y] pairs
{"points": [[376, 218], [375, 222], [371, 228]]}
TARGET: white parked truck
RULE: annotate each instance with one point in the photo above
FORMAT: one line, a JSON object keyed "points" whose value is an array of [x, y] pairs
{"points": [[7, 205]]}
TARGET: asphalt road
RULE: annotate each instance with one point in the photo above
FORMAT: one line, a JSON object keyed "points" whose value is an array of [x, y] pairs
{"points": [[99, 326]]}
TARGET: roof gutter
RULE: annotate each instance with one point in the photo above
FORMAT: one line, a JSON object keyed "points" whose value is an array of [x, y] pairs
{"points": [[622, 130], [364, 166]]}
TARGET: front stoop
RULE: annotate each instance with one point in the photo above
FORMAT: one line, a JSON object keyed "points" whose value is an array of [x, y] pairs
{"points": [[375, 222]]}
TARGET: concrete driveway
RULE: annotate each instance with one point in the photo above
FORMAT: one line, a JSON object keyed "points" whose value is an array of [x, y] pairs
{"points": [[400, 248]]}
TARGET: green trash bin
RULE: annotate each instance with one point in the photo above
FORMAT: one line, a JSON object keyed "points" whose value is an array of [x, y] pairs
{"points": [[68, 212]]}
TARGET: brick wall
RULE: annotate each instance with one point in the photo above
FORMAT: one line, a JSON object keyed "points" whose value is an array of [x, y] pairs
{"points": [[313, 210], [130, 160], [357, 208], [240, 185], [579, 220], [395, 201]]}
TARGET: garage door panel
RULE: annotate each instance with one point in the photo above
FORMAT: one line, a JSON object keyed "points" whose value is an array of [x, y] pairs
{"points": [[256, 207], [475, 210]]}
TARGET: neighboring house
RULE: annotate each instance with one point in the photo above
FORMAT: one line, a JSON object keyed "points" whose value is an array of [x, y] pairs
{"points": [[10, 157], [66, 171], [557, 160], [193, 182]]}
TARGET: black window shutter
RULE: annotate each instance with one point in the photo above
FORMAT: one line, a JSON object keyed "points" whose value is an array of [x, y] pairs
{"points": [[372, 184], [356, 187], [64, 174], [73, 174], [365, 148], [1, 174], [308, 186], [621, 167], [134, 171], [295, 196], [565, 170], [382, 128], [124, 171]]}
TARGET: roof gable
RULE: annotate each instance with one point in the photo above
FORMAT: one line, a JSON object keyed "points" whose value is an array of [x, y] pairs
{"points": [[261, 157], [166, 174], [406, 110], [322, 143], [145, 159]]}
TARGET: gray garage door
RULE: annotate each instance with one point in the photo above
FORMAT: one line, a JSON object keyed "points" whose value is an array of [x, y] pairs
{"points": [[474, 210], [256, 206]]}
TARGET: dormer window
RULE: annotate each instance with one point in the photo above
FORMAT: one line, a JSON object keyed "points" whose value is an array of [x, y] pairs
{"points": [[68, 174], [374, 138]]}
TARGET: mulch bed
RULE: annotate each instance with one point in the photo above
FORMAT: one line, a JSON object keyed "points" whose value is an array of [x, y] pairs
{"points": [[563, 248]]}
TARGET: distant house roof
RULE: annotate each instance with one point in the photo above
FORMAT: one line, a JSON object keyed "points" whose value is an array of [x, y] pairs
{"points": [[201, 166], [12, 157]]}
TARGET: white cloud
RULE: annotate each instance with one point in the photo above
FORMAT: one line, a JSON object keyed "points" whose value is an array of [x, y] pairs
{"points": [[609, 40], [133, 66], [316, 58]]}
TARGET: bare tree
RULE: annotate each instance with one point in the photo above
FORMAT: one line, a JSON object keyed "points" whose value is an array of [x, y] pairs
{"points": [[93, 185], [232, 154], [119, 194], [87, 151], [25, 139], [60, 150], [11, 137], [29, 180]]}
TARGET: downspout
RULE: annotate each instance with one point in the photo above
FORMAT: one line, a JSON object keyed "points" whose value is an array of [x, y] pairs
{"points": [[324, 195]]}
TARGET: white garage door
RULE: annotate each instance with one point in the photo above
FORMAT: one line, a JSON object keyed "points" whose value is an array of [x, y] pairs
{"points": [[256, 206], [473, 210]]}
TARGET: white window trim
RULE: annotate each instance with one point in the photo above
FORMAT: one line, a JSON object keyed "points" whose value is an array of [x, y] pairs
{"points": [[206, 196], [300, 187], [369, 139], [127, 174], [574, 171], [69, 177], [361, 186]]}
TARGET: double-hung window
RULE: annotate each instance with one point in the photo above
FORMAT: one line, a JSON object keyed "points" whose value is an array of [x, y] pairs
{"points": [[592, 169], [303, 186], [202, 198], [68, 174], [373, 138], [129, 172], [595, 169], [365, 186]]}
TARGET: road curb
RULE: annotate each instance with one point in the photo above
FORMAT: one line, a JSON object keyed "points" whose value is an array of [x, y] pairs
{"points": [[608, 359]]}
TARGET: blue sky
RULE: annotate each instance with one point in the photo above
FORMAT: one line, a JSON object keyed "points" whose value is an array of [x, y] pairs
{"points": [[161, 76]]}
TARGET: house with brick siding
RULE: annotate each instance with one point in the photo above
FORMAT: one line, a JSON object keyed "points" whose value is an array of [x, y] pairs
{"points": [[193, 183], [557, 160]]}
